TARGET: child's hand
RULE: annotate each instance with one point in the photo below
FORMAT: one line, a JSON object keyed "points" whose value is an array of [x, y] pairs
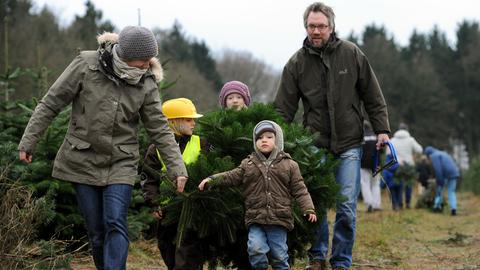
{"points": [[181, 181], [202, 184], [157, 214], [312, 218]]}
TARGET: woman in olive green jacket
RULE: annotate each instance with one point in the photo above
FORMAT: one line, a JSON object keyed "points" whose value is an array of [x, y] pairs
{"points": [[110, 91]]}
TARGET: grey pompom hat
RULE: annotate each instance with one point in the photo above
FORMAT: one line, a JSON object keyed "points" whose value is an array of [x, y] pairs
{"points": [[136, 43]]}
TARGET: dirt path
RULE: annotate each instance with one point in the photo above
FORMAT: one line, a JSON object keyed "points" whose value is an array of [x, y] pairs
{"points": [[420, 239], [409, 239]]}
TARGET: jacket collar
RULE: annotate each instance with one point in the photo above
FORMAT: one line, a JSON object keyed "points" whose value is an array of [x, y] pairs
{"points": [[106, 42], [332, 43], [281, 155]]}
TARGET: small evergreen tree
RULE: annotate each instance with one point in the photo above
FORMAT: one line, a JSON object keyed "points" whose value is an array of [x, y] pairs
{"points": [[470, 181]]}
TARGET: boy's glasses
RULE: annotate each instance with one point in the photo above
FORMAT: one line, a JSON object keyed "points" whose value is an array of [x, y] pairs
{"points": [[378, 167]]}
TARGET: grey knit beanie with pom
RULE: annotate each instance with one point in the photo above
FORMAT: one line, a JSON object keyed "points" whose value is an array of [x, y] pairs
{"points": [[136, 43]]}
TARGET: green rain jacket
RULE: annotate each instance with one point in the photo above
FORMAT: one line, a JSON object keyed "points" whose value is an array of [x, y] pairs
{"points": [[332, 84]]}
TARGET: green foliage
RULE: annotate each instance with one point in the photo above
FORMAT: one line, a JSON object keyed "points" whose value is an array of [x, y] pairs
{"points": [[467, 83], [426, 80], [217, 214], [427, 198], [407, 174], [85, 28], [66, 220], [6, 81], [178, 46], [48, 257], [230, 132], [470, 181], [204, 62], [21, 213], [139, 216]]}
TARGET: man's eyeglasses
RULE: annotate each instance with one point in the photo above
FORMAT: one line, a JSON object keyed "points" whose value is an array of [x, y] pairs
{"points": [[321, 27], [378, 167]]}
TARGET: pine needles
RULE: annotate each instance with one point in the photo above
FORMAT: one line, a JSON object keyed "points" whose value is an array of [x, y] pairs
{"points": [[217, 215]]}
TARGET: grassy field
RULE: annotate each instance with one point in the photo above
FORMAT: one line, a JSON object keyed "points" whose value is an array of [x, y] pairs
{"points": [[408, 239]]}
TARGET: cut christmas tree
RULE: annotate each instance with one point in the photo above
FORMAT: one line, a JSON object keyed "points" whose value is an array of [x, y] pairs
{"points": [[217, 215]]}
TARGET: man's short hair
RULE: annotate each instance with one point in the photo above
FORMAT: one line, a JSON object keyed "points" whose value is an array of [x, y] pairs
{"points": [[320, 7]]}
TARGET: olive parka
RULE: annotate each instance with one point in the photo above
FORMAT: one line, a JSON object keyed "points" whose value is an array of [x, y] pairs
{"points": [[101, 144]]}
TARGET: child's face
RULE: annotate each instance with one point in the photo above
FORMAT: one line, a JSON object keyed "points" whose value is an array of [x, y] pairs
{"points": [[186, 126], [266, 142], [235, 101]]}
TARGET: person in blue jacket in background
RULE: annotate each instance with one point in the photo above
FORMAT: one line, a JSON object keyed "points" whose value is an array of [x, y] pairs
{"points": [[394, 187], [446, 173]]}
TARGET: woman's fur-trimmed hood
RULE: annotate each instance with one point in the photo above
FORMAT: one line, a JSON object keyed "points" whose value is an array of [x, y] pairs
{"points": [[112, 38]]}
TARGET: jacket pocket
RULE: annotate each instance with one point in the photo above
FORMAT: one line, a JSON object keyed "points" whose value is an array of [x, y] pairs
{"points": [[349, 127], [76, 156], [76, 143], [283, 208], [131, 150]]}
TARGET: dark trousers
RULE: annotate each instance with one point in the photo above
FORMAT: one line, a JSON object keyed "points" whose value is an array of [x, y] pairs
{"points": [[189, 256], [396, 191], [408, 194]]}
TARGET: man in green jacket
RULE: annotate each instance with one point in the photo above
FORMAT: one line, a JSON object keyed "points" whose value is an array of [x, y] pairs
{"points": [[333, 78], [110, 91]]}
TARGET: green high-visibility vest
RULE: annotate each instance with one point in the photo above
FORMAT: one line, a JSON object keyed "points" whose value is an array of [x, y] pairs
{"points": [[190, 153]]}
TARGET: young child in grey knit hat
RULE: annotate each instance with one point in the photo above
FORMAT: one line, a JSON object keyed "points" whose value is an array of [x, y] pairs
{"points": [[271, 181]]}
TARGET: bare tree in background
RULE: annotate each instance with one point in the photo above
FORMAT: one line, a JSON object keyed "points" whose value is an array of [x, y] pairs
{"points": [[243, 66]]}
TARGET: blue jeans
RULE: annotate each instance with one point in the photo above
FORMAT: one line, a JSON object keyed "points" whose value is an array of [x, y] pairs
{"points": [[396, 190], [348, 177], [452, 198], [105, 212], [267, 239], [408, 194]]}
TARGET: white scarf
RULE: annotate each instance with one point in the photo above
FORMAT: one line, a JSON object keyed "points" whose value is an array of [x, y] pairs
{"points": [[131, 75]]}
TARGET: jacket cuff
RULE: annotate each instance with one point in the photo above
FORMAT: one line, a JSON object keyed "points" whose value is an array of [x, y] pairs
{"points": [[382, 132], [22, 147], [310, 211], [176, 173]]}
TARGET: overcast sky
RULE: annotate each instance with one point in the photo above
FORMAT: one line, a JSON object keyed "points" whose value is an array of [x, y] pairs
{"points": [[273, 30]]}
